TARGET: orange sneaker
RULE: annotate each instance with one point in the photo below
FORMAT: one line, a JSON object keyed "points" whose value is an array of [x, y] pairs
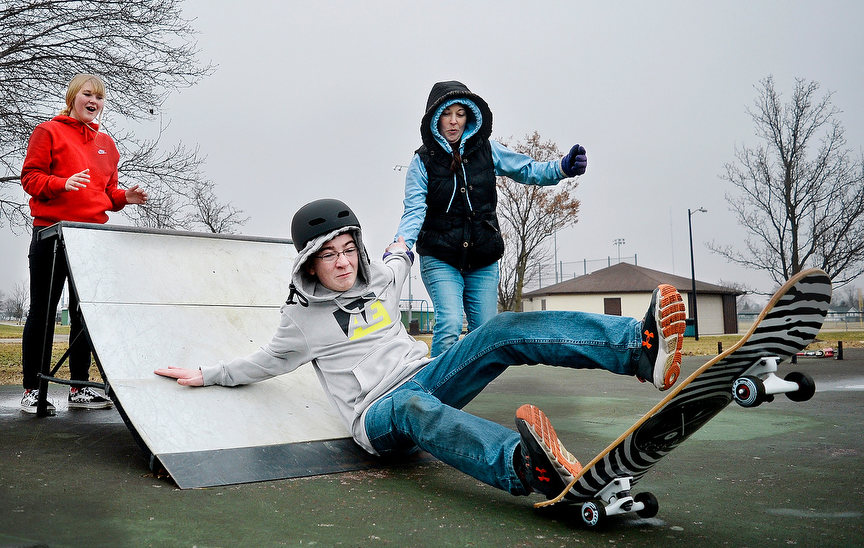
{"points": [[662, 338], [547, 466]]}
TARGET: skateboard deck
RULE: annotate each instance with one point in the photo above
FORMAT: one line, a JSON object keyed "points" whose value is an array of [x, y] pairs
{"points": [[744, 372]]}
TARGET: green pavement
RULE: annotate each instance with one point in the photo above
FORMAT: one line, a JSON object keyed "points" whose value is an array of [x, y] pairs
{"points": [[783, 474]]}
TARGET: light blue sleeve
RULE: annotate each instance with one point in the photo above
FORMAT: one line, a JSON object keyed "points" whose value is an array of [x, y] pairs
{"points": [[414, 204], [524, 169]]}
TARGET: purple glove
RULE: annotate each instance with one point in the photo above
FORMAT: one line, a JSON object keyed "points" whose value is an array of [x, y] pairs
{"points": [[575, 162], [409, 253]]}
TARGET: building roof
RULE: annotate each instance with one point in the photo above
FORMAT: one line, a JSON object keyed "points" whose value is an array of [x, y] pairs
{"points": [[627, 278]]}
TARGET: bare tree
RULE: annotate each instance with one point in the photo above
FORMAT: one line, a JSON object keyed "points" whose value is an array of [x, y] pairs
{"points": [[217, 217], [798, 194], [143, 50], [528, 216], [15, 307], [743, 301], [4, 304], [180, 196], [848, 297]]}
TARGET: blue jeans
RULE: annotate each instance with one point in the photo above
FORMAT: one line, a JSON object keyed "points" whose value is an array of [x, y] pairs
{"points": [[474, 292], [426, 411]]}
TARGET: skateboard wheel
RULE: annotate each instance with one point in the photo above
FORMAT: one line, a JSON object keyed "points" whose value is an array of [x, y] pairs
{"points": [[651, 505], [593, 512], [806, 386], [748, 391]]}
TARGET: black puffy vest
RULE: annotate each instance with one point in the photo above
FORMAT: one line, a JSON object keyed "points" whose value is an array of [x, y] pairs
{"points": [[466, 236]]}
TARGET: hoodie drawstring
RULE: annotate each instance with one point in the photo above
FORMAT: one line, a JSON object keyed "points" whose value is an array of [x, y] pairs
{"points": [[301, 300]]}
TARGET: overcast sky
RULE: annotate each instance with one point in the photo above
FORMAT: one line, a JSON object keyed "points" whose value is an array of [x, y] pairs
{"points": [[323, 99]]}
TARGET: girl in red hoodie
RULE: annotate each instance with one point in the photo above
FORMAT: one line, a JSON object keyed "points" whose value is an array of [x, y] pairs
{"points": [[70, 172]]}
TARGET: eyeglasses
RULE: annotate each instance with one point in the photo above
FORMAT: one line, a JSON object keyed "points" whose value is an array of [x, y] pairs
{"points": [[332, 256]]}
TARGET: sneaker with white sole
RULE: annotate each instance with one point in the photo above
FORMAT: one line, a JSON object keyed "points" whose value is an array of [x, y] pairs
{"points": [[87, 398], [547, 467], [30, 400], [662, 338]]}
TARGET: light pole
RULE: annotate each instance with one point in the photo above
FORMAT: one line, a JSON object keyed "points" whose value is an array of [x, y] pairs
{"points": [[555, 247], [555, 259], [619, 242], [693, 269]]}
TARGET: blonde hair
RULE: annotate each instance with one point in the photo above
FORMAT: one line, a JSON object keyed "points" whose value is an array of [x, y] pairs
{"points": [[75, 86]]}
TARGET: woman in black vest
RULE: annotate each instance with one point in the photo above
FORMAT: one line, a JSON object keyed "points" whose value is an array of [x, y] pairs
{"points": [[450, 203]]}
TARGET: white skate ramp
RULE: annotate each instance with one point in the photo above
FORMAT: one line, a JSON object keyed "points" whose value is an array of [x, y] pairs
{"points": [[152, 299]]}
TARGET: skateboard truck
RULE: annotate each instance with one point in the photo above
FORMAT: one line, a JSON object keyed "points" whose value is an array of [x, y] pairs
{"points": [[759, 384], [615, 499]]}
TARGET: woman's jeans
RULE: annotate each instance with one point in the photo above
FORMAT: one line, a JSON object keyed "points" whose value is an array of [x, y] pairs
{"points": [[426, 411], [38, 336], [474, 292]]}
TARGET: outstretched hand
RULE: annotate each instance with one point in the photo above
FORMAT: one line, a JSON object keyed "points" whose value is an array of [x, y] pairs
{"points": [[186, 377], [134, 195], [576, 161], [398, 245]]}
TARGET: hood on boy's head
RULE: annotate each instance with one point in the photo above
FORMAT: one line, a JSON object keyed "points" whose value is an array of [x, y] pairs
{"points": [[450, 92], [305, 282]]}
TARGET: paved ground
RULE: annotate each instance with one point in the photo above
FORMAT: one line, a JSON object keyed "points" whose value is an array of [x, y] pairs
{"points": [[778, 475]]}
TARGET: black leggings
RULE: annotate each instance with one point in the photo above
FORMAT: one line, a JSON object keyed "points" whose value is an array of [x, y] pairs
{"points": [[44, 306]]}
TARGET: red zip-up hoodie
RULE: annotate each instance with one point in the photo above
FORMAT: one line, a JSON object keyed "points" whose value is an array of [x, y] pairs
{"points": [[58, 149]]}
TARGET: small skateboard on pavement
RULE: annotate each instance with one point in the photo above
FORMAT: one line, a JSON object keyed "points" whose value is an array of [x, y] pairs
{"points": [[745, 372]]}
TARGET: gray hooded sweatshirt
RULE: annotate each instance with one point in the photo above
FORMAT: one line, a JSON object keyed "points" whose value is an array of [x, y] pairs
{"points": [[355, 340]]}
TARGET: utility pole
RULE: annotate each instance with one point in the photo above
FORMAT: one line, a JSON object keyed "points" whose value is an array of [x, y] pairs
{"points": [[693, 269]]}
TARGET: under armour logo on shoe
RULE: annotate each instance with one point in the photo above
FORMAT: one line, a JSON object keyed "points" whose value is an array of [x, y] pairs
{"points": [[647, 341], [540, 474]]}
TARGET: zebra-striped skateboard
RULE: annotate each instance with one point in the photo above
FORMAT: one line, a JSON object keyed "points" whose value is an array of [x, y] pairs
{"points": [[745, 372]]}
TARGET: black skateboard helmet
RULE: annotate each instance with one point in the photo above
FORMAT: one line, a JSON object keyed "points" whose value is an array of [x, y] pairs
{"points": [[318, 218]]}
